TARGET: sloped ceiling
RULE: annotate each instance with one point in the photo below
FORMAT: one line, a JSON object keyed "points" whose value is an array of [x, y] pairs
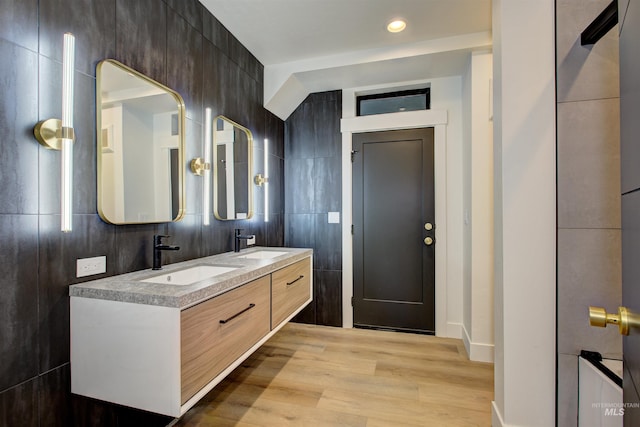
{"points": [[316, 45]]}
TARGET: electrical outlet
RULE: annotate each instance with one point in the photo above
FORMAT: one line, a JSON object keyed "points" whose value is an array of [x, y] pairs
{"points": [[91, 266], [251, 240]]}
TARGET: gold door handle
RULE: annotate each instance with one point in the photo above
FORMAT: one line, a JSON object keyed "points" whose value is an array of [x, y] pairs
{"points": [[428, 241], [625, 319]]}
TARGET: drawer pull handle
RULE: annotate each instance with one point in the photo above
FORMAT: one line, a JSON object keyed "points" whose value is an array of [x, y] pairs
{"points": [[291, 283], [237, 314]]}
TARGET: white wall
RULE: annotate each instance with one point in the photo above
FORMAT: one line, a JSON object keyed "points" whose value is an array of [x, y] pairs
{"points": [[466, 203], [286, 85], [446, 94], [482, 210], [525, 212], [478, 209]]}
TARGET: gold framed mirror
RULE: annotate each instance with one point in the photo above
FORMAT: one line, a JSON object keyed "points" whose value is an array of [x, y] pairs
{"points": [[141, 147], [232, 170]]}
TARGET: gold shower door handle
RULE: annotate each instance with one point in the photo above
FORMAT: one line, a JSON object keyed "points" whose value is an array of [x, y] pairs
{"points": [[625, 319]]}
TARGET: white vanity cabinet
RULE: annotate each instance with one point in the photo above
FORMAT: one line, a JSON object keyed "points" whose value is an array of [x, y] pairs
{"points": [[164, 359]]}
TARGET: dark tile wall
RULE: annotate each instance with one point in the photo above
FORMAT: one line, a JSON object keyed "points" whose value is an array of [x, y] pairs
{"points": [[313, 188], [180, 44]]}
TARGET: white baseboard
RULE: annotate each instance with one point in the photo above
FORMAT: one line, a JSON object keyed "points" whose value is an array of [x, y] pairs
{"points": [[482, 352], [467, 341], [478, 352], [454, 330], [496, 416]]}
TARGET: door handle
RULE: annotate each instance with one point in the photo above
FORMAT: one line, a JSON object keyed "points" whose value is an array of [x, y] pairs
{"points": [[428, 241], [625, 319]]}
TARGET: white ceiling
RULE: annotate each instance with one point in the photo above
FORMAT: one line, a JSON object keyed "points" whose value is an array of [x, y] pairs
{"points": [[311, 45]]}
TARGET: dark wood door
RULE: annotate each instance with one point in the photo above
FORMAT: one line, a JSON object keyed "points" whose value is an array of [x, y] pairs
{"points": [[630, 172], [393, 201]]}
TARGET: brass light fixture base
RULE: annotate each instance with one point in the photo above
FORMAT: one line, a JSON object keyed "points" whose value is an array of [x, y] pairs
{"points": [[198, 166], [50, 133], [259, 180]]}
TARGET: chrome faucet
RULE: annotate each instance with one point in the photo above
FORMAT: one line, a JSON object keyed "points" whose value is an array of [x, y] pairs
{"points": [[236, 246], [158, 247]]}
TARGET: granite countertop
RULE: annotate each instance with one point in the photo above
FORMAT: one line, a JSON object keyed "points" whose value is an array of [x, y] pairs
{"points": [[129, 287]]}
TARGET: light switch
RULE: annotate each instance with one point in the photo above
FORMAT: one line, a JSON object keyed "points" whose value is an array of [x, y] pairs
{"points": [[334, 217]]}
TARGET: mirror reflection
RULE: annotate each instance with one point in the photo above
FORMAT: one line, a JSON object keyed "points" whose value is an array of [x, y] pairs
{"points": [[140, 138], [233, 145]]}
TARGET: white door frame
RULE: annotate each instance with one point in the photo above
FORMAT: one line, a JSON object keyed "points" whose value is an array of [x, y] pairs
{"points": [[394, 121]]}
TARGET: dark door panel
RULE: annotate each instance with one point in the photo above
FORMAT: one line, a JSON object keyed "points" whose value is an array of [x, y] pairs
{"points": [[393, 198]]}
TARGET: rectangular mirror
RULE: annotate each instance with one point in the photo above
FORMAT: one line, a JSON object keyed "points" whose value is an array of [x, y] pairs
{"points": [[232, 160], [141, 147]]}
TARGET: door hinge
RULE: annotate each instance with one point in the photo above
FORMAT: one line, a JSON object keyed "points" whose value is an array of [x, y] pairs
{"points": [[353, 154], [352, 229], [351, 301]]}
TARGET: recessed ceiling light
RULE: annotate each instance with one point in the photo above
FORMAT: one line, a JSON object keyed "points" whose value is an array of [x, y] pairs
{"points": [[396, 26]]}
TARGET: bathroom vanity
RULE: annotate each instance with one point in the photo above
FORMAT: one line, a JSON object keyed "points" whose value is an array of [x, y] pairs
{"points": [[160, 340]]}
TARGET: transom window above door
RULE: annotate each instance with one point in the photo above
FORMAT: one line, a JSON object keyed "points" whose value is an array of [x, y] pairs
{"points": [[394, 102]]}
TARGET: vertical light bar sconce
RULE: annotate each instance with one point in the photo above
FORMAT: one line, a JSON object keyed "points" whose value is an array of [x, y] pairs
{"points": [[207, 171], [202, 167], [264, 180], [68, 65], [59, 134]]}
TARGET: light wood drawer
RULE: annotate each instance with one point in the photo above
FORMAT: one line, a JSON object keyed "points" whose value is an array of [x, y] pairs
{"points": [[218, 331], [290, 288]]}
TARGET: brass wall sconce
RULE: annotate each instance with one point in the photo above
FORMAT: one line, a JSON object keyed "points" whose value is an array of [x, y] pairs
{"points": [[56, 134]]}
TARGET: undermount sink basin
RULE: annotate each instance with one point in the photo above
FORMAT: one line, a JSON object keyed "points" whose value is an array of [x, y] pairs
{"points": [[189, 275], [263, 255]]}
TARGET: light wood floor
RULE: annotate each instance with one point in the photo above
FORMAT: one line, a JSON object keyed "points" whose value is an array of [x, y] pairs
{"points": [[320, 376]]}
